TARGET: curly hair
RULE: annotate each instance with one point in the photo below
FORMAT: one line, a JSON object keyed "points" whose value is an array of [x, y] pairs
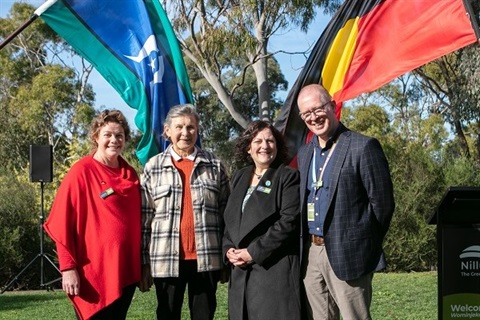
{"points": [[104, 117], [245, 139]]}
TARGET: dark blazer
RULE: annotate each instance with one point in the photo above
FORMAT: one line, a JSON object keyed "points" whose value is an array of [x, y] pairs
{"points": [[269, 229], [360, 207]]}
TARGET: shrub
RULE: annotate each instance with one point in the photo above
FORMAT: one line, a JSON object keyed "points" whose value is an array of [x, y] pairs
{"points": [[19, 232]]}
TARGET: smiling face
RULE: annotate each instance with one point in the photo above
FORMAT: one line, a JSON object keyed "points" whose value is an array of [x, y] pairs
{"points": [[263, 149], [110, 142], [322, 123], [183, 133]]}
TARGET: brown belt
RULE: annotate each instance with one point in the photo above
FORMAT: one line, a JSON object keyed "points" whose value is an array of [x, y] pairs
{"points": [[317, 240]]}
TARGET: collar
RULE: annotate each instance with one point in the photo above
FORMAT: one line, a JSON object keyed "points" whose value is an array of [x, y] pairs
{"points": [[190, 157], [340, 129]]}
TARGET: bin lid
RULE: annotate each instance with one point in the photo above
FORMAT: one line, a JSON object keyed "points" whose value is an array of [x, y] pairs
{"points": [[458, 205]]}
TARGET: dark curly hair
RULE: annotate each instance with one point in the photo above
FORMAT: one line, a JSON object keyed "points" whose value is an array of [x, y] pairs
{"points": [[245, 139], [104, 117]]}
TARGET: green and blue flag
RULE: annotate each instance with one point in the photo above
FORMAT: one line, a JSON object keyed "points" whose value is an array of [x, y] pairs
{"points": [[132, 45]]}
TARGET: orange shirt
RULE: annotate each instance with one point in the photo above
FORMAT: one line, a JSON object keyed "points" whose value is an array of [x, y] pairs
{"points": [[187, 224]]}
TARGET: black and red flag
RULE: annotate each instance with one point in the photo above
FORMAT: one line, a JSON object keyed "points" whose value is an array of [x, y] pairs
{"points": [[368, 43]]}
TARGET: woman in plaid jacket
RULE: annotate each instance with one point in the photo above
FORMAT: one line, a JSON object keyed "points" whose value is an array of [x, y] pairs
{"points": [[184, 193]]}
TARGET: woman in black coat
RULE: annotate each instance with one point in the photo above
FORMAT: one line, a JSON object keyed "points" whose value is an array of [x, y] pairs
{"points": [[261, 230]]}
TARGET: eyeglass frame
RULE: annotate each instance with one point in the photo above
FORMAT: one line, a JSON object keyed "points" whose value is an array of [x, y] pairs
{"points": [[307, 114]]}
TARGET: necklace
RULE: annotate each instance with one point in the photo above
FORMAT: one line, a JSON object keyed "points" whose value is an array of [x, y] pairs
{"points": [[259, 176]]}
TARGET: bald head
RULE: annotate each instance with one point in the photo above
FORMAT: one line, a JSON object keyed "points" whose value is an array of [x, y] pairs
{"points": [[314, 90], [317, 110]]}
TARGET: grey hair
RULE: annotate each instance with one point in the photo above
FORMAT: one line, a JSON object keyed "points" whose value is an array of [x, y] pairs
{"points": [[180, 110]]}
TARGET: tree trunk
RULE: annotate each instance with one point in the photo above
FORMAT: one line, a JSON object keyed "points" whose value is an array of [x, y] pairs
{"points": [[462, 141]]}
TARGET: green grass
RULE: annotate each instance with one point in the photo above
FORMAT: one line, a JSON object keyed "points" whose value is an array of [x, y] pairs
{"points": [[405, 296]]}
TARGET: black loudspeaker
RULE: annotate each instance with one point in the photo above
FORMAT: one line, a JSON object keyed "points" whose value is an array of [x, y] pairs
{"points": [[41, 165]]}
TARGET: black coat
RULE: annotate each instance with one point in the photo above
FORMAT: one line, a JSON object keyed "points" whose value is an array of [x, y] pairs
{"points": [[269, 229]]}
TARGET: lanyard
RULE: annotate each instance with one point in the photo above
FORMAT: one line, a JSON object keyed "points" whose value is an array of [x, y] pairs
{"points": [[319, 183]]}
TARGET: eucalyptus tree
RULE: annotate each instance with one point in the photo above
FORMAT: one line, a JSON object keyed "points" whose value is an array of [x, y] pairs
{"points": [[218, 127], [43, 99], [454, 81], [448, 84], [207, 28]]}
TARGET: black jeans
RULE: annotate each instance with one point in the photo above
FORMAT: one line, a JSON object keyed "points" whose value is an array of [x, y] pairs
{"points": [[118, 309], [202, 288]]}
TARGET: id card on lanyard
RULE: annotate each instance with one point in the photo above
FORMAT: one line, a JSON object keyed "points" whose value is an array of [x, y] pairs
{"points": [[311, 211], [317, 184]]}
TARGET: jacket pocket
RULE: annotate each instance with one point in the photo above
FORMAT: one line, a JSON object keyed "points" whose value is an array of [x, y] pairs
{"points": [[161, 196], [211, 194]]}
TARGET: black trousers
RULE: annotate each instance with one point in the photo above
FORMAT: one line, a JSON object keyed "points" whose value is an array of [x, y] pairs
{"points": [[202, 288], [118, 309]]}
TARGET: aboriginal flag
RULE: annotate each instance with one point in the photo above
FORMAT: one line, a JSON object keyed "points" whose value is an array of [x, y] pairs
{"points": [[368, 43]]}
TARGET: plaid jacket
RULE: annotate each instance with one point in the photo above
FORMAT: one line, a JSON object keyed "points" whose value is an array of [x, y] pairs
{"points": [[161, 208], [361, 204]]}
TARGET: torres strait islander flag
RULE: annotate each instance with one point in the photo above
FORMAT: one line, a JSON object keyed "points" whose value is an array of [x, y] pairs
{"points": [[368, 43], [132, 45]]}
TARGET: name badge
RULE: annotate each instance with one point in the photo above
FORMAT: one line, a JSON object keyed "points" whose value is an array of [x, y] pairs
{"points": [[311, 211], [106, 193], [264, 190]]}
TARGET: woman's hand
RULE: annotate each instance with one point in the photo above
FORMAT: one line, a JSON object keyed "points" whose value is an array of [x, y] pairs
{"points": [[71, 282], [232, 256], [239, 257]]}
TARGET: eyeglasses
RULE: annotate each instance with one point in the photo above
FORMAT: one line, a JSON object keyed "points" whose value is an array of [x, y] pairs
{"points": [[307, 115]]}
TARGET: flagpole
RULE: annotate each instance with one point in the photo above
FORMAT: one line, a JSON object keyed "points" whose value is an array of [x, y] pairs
{"points": [[34, 16], [17, 32], [475, 27]]}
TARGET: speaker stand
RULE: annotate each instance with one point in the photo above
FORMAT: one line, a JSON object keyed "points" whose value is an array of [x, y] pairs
{"points": [[42, 255]]}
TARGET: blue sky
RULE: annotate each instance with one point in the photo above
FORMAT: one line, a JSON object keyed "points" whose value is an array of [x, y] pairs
{"points": [[291, 41]]}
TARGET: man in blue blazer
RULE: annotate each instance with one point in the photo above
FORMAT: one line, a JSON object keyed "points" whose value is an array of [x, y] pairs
{"points": [[347, 203]]}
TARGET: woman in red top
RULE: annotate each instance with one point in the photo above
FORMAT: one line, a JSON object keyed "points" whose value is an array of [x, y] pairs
{"points": [[95, 223]]}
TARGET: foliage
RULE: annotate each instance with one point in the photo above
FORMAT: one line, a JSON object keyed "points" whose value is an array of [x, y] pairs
{"points": [[209, 31], [218, 128], [42, 101], [418, 187], [461, 171], [19, 230], [129, 153]]}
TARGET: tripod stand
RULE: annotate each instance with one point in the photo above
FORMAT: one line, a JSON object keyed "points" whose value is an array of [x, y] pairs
{"points": [[42, 255]]}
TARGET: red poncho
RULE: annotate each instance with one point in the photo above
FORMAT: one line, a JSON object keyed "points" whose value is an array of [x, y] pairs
{"points": [[95, 223]]}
